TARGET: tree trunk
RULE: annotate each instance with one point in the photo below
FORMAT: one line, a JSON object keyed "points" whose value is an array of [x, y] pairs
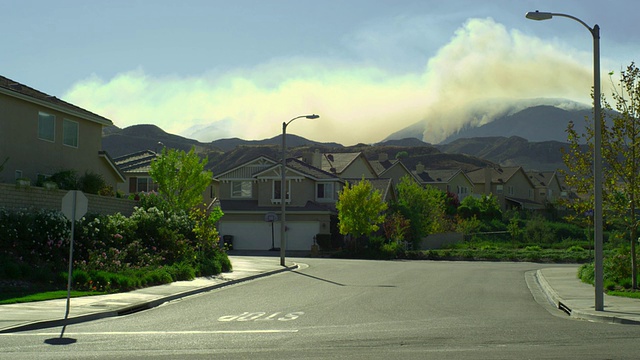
{"points": [[634, 269]]}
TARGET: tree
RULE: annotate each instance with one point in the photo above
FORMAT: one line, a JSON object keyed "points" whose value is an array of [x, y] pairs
{"points": [[181, 178], [423, 207], [485, 208], [620, 155], [360, 209]]}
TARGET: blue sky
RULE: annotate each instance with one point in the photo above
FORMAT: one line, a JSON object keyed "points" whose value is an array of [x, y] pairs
{"points": [[217, 69]]}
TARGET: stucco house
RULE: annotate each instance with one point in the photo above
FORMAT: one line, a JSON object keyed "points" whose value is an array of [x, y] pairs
{"points": [[353, 165], [41, 135], [249, 195], [511, 185], [454, 181], [548, 188], [392, 169]]}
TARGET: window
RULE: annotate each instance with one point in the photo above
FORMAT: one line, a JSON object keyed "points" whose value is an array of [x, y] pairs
{"points": [[46, 127], [241, 189], [70, 133], [18, 174], [499, 189], [276, 191], [142, 184], [324, 191], [511, 192]]}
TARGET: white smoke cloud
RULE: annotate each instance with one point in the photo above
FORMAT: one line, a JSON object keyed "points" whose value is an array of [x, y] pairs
{"points": [[357, 103]]}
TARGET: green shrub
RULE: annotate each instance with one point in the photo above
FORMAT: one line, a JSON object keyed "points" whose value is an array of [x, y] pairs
{"points": [[181, 271], [91, 183], [66, 180], [586, 273]]}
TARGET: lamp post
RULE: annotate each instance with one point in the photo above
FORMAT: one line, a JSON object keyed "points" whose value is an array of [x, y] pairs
{"points": [[597, 151], [283, 194]]}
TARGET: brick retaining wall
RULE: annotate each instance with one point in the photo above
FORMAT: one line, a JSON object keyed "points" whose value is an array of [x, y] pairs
{"points": [[13, 197]]}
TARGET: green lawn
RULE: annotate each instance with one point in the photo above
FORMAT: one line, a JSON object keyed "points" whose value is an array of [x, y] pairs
{"points": [[15, 297]]}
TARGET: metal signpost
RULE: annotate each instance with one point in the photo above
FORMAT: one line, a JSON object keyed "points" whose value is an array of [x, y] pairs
{"points": [[74, 206]]}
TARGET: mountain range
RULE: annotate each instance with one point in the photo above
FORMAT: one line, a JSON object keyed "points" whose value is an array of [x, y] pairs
{"points": [[531, 138]]}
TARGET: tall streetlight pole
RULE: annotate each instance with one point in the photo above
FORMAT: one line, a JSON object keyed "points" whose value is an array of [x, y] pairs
{"points": [[283, 194], [597, 151]]}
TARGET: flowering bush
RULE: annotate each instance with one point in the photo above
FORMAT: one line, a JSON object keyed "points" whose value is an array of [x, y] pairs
{"points": [[151, 241]]}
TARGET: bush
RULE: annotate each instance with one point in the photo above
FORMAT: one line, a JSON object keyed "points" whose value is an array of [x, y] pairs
{"points": [[91, 183], [66, 180]]}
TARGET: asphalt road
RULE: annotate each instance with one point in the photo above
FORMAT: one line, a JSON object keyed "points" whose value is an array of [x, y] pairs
{"points": [[348, 309]]}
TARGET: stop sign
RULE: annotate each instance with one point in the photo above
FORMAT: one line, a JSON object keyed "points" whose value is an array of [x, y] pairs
{"points": [[74, 205]]}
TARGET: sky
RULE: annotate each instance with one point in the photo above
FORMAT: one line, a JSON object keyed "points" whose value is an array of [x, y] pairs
{"points": [[213, 69]]}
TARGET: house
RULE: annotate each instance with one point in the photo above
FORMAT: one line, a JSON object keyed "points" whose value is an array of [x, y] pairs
{"points": [[511, 185], [548, 188], [249, 196], [346, 165], [135, 168], [41, 135], [453, 181], [392, 169]]}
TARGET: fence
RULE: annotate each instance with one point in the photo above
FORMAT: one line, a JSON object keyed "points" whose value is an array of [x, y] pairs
{"points": [[14, 197]]}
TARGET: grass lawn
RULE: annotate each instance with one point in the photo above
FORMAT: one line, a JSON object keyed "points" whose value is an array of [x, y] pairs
{"points": [[14, 296]]}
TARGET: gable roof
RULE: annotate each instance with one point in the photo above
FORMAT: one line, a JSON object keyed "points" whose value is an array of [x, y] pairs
{"points": [[245, 170], [15, 89], [439, 176], [385, 186], [336, 163], [499, 175], [542, 178], [137, 162]]}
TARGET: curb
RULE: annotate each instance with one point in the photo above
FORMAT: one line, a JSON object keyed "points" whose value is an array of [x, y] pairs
{"points": [[36, 325], [560, 303]]}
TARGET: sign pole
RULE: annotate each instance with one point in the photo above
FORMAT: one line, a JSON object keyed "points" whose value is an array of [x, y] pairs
{"points": [[73, 223]]}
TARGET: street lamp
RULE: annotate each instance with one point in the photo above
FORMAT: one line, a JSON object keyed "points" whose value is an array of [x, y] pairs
{"points": [[597, 151], [283, 195]]}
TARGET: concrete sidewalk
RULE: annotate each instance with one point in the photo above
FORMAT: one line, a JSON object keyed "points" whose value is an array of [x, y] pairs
{"points": [[577, 299], [44, 314]]}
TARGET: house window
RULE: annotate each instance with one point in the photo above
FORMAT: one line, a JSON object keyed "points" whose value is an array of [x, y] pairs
{"points": [[324, 191], [18, 174], [241, 189], [499, 189], [142, 184], [277, 189], [46, 127], [70, 133], [510, 188]]}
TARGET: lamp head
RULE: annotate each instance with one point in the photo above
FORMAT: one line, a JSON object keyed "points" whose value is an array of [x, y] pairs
{"points": [[312, 116], [537, 15]]}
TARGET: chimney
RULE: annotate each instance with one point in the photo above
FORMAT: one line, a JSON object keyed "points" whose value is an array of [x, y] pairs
{"points": [[419, 168], [487, 180], [316, 159], [382, 157]]}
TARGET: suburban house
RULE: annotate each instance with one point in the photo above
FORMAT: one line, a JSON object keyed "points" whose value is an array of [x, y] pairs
{"points": [[511, 185], [135, 168], [249, 195], [346, 165], [392, 169], [41, 135], [548, 188], [453, 181]]}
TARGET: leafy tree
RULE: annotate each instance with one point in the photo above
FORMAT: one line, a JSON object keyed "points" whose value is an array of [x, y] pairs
{"points": [[485, 208], [181, 178], [360, 209], [620, 155], [423, 207]]}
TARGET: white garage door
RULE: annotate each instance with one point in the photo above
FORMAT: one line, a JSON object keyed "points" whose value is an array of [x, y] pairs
{"points": [[257, 235]]}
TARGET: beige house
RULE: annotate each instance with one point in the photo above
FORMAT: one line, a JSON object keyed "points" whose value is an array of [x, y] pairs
{"points": [[41, 135], [391, 169], [548, 188], [250, 198], [511, 185], [453, 181], [346, 165]]}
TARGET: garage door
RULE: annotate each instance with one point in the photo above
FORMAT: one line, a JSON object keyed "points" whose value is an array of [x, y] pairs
{"points": [[257, 235]]}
